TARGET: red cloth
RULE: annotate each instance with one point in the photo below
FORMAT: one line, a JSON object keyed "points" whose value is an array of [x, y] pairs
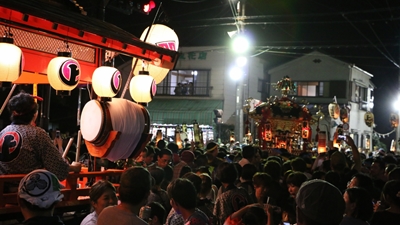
{"points": [[235, 221]]}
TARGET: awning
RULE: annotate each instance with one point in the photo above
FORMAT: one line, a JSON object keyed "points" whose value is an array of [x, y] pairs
{"points": [[179, 111], [28, 77]]}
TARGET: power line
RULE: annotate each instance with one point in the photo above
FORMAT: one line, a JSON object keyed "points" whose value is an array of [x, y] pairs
{"points": [[279, 23], [306, 15], [387, 57]]}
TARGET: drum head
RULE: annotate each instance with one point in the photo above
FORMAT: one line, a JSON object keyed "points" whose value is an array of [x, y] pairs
{"points": [[92, 120]]}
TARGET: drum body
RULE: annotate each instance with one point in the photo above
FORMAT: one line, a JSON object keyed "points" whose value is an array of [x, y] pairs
{"points": [[130, 121]]}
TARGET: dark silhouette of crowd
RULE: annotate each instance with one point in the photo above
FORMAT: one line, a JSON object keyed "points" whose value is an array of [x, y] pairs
{"points": [[245, 185]]}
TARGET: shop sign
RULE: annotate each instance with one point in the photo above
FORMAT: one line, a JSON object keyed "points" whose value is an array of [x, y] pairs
{"points": [[193, 56]]}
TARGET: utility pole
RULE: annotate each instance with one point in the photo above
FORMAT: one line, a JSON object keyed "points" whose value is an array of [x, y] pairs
{"points": [[239, 122]]}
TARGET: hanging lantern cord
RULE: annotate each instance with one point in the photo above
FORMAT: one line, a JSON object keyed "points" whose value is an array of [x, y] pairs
{"points": [[67, 46], [7, 37], [7, 33]]}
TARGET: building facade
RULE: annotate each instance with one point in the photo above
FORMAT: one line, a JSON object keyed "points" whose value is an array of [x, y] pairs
{"points": [[199, 84], [319, 78]]}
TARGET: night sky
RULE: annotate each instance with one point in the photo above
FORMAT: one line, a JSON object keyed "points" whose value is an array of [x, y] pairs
{"points": [[363, 32], [360, 32]]}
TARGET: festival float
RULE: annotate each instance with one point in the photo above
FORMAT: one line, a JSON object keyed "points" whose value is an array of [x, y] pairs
{"points": [[282, 122], [30, 54]]}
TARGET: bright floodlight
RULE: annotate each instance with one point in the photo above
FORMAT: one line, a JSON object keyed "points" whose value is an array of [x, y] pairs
{"points": [[240, 44], [241, 61], [396, 104], [236, 73]]}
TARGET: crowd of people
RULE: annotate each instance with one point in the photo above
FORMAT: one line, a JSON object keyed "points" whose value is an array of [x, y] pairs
{"points": [[245, 185], [211, 186]]}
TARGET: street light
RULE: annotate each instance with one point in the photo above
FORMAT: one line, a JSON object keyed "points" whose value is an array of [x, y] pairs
{"points": [[240, 43]]}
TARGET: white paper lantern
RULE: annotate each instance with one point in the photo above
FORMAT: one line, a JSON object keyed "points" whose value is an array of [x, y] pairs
{"points": [[334, 110], [161, 36], [63, 73], [11, 61], [321, 142], [106, 81], [142, 87]]}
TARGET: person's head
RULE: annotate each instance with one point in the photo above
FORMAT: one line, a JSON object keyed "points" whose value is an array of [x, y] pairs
{"points": [[168, 175], [248, 152], [23, 108], [394, 174], [319, 203], [150, 152], [182, 194], [164, 157], [248, 172], [200, 161], [377, 168], [274, 169], [318, 174], [389, 167], [161, 144], [358, 203], [131, 191], [158, 174], [187, 156], [254, 216], [390, 192], [334, 178], [203, 169], [338, 161], [262, 183], [227, 173], [142, 155], [102, 194], [298, 164], [206, 184], [195, 179], [173, 147], [294, 182], [157, 214], [212, 149], [38, 192], [361, 180]]}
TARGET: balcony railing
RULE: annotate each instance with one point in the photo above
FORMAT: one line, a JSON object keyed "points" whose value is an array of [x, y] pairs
{"points": [[180, 92]]}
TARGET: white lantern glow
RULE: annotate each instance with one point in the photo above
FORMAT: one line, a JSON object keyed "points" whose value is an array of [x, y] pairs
{"points": [[63, 73], [142, 87], [334, 110], [321, 142], [161, 36], [11, 60], [106, 81]]}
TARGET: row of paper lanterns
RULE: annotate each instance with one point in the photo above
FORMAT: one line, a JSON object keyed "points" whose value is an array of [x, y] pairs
{"points": [[64, 72]]}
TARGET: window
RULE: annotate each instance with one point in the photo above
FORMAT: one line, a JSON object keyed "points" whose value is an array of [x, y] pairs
{"points": [[310, 89], [262, 86], [363, 94], [337, 88], [185, 83]]}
